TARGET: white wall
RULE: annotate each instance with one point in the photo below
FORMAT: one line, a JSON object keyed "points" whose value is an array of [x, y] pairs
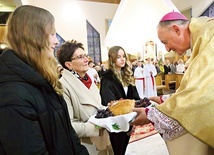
{"points": [[135, 23], [200, 7], [71, 16]]}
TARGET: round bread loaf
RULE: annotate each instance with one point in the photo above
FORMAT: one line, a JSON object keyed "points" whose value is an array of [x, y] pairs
{"points": [[122, 107]]}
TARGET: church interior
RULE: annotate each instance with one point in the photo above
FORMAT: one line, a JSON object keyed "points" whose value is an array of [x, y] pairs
{"points": [[132, 24]]}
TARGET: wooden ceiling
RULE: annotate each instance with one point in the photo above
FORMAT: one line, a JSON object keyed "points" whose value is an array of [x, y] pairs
{"points": [[105, 1], [11, 2]]}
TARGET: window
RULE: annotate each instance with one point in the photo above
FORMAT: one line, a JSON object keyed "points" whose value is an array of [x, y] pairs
{"points": [[209, 12], [94, 50], [61, 41]]}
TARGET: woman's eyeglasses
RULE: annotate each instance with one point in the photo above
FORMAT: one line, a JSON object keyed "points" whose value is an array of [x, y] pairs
{"points": [[81, 56]]}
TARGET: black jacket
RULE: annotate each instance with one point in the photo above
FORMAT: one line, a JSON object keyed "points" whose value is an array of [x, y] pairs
{"points": [[167, 69], [33, 118], [112, 89]]}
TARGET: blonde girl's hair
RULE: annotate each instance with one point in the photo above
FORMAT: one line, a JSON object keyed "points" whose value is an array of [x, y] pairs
{"points": [[28, 31], [125, 76]]}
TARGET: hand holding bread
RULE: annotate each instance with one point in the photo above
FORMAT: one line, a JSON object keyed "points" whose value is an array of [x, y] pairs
{"points": [[121, 107]]}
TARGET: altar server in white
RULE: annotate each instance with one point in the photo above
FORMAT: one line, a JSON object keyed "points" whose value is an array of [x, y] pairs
{"points": [[150, 72], [139, 80]]}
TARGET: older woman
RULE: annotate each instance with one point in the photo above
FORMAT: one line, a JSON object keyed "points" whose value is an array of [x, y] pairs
{"points": [[82, 96]]}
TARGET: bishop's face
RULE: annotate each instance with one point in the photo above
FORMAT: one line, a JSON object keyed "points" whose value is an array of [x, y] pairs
{"points": [[173, 37]]}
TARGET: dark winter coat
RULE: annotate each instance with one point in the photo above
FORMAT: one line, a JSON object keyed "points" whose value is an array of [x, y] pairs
{"points": [[112, 89], [167, 69], [33, 117]]}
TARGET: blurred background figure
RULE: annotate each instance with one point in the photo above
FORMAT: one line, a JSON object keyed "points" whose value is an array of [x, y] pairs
{"points": [[174, 67], [150, 72], [102, 70], [157, 67], [167, 68], [139, 79], [92, 72], [161, 66], [134, 65], [180, 68]]}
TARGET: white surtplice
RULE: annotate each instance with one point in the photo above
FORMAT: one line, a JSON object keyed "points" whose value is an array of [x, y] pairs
{"points": [[140, 81], [150, 86]]}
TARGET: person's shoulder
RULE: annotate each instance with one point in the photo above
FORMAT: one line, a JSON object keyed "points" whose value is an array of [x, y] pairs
{"points": [[7, 54], [66, 74], [136, 69], [201, 24], [19, 94], [108, 74], [68, 79], [94, 70]]}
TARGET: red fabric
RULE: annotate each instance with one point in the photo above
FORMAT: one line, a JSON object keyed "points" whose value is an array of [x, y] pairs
{"points": [[146, 111], [143, 82], [139, 78], [153, 82], [87, 82], [161, 99]]}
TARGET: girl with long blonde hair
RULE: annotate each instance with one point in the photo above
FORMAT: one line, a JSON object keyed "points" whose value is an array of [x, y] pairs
{"points": [[33, 110], [118, 83]]}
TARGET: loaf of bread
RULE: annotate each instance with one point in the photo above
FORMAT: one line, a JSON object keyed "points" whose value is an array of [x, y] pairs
{"points": [[121, 107]]}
